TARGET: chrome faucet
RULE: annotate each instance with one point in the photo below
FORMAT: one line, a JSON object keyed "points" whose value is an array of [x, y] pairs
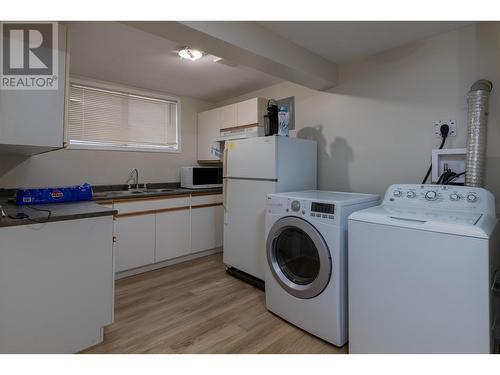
{"points": [[134, 175]]}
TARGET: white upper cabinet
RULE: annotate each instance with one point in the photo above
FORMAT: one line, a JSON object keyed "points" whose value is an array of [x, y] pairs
{"points": [[227, 116], [208, 131], [251, 112], [32, 121]]}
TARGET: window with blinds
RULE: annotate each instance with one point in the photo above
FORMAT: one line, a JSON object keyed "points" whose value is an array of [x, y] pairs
{"points": [[107, 119]]}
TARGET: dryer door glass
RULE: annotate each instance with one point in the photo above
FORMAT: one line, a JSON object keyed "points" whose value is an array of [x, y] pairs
{"points": [[298, 257]]}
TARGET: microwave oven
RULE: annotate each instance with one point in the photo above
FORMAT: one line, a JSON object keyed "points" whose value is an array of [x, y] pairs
{"points": [[201, 177]]}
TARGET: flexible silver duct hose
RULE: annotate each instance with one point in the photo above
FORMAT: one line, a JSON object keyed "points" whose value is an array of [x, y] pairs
{"points": [[477, 119]]}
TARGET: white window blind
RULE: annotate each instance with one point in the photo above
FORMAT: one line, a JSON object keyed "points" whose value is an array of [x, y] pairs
{"points": [[113, 119]]}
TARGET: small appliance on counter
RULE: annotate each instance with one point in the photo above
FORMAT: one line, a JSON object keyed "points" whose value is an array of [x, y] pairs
{"points": [[54, 195], [271, 119], [201, 177], [283, 121]]}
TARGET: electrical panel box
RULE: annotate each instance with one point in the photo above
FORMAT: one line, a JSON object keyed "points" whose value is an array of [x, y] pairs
{"points": [[450, 158]]}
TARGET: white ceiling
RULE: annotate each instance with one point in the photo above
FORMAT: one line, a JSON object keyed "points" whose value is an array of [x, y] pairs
{"points": [[118, 53], [342, 42]]}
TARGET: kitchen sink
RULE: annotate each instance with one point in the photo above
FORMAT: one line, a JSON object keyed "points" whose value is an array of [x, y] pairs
{"points": [[151, 191], [115, 193]]}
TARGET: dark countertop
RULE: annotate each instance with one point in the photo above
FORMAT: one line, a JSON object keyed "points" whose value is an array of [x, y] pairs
{"points": [[59, 212], [81, 210]]}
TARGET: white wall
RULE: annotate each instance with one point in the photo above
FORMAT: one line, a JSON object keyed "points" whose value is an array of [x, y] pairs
{"points": [[64, 167], [376, 127]]}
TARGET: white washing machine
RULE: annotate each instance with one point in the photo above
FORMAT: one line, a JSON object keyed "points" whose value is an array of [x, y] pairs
{"points": [[421, 270], [306, 259]]}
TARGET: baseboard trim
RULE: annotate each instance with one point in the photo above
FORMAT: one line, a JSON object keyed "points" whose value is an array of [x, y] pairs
{"points": [[165, 263]]}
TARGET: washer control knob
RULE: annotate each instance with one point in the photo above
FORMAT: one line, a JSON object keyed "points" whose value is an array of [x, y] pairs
{"points": [[431, 195], [454, 197], [471, 197], [411, 194], [397, 193], [295, 206]]}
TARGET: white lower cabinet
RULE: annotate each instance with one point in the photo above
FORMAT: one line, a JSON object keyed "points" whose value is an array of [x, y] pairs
{"points": [[206, 228], [56, 285], [135, 241], [155, 230], [172, 234]]}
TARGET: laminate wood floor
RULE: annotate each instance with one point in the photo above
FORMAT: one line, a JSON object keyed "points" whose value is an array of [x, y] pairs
{"points": [[195, 307]]}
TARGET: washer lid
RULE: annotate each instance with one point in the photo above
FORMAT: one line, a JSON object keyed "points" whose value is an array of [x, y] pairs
{"points": [[442, 221]]}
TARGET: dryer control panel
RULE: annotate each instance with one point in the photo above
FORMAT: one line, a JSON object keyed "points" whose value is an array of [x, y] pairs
{"points": [[443, 197], [302, 208]]}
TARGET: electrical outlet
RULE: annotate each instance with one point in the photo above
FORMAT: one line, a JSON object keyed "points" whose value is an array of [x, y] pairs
{"points": [[451, 123]]}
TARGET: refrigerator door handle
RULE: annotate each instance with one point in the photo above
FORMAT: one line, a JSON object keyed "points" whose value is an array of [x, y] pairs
{"points": [[224, 186], [224, 201], [252, 179]]}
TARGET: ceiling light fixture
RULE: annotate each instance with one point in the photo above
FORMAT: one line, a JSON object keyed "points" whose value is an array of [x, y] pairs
{"points": [[190, 54]]}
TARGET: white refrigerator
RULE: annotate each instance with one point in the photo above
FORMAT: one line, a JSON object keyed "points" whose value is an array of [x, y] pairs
{"points": [[254, 168]]}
